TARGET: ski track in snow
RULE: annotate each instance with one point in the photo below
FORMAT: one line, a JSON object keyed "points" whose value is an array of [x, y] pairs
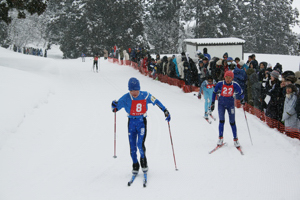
{"points": [[58, 141]]}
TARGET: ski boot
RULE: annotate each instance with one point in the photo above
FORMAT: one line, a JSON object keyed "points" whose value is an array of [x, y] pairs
{"points": [[206, 116], [236, 142], [220, 142]]}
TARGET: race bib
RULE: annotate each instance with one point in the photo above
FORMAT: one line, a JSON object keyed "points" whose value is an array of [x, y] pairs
{"points": [[209, 86], [227, 90], [138, 107]]}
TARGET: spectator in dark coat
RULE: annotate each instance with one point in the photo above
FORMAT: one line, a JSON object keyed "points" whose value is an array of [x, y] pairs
{"points": [[256, 90], [265, 85], [249, 72], [275, 105], [206, 54], [219, 73], [278, 67], [262, 70], [255, 63]]}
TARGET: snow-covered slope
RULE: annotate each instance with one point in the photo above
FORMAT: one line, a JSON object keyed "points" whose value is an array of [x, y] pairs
{"points": [[57, 131]]}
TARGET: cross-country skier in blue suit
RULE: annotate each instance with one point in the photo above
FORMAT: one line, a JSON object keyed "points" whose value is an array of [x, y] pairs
{"points": [[207, 87], [227, 89], [135, 103]]}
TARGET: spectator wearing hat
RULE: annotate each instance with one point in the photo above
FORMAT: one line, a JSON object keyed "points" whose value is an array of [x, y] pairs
{"points": [[289, 116], [243, 65], [219, 71], [274, 91]]}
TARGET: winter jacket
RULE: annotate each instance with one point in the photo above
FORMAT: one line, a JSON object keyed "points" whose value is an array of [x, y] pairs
{"points": [[275, 105], [289, 115], [121, 52], [171, 68], [249, 72], [256, 90], [240, 77], [105, 53], [180, 68], [202, 70], [176, 67]]}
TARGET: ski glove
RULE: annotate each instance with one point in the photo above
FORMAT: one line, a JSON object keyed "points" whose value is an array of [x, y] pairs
{"points": [[243, 102], [114, 106], [212, 107], [199, 96], [167, 115]]}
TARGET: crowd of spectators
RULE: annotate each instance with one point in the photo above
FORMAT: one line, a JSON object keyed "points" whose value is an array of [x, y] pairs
{"points": [[31, 51], [267, 88]]}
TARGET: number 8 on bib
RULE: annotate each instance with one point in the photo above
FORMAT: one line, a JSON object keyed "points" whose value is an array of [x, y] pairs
{"points": [[138, 107]]}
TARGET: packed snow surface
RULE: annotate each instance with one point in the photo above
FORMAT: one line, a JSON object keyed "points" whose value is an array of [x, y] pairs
{"points": [[57, 139]]}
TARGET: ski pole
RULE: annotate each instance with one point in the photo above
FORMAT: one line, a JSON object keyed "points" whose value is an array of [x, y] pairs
{"points": [[115, 135], [172, 146], [247, 125]]}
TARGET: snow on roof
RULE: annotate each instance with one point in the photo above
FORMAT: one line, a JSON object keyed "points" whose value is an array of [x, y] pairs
{"points": [[230, 40]]}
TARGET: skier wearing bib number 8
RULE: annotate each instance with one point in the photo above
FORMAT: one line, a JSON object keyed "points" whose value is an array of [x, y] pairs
{"points": [[135, 103], [227, 89]]}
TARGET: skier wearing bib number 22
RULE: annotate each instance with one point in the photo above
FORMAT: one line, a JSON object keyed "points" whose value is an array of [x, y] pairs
{"points": [[135, 104], [227, 89]]}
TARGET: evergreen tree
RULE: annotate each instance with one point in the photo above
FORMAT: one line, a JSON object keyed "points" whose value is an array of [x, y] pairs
{"points": [[267, 28], [162, 25], [31, 6]]}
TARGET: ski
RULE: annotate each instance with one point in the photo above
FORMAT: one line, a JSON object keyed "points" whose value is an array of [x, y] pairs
{"points": [[132, 179], [207, 120], [145, 180], [212, 117], [240, 150], [217, 147]]}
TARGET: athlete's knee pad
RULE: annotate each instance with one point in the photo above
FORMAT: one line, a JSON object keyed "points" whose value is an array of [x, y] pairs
{"points": [[222, 121], [232, 124]]}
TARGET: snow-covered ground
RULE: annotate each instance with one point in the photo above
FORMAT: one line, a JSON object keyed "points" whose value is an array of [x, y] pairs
{"points": [[57, 139]]}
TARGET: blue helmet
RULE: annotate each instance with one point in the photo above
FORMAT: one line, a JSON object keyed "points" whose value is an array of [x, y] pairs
{"points": [[133, 84]]}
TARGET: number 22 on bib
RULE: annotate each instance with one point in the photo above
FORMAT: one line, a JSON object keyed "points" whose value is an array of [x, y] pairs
{"points": [[227, 90], [138, 107]]}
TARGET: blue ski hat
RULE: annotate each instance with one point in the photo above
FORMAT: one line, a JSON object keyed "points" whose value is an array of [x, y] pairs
{"points": [[133, 84]]}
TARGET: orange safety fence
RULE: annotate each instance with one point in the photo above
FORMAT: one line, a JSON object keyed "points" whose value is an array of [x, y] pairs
{"points": [[272, 123]]}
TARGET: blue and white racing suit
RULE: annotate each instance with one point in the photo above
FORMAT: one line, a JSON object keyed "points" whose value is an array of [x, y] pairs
{"points": [[136, 109], [226, 102]]}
